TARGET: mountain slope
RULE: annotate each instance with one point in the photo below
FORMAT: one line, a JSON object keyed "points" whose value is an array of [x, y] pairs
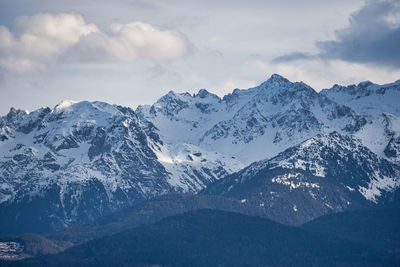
{"points": [[76, 156], [277, 112], [148, 212], [325, 174], [81, 160], [380, 105]]}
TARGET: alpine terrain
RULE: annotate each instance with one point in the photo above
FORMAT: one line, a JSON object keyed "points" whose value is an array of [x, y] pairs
{"points": [[281, 147]]}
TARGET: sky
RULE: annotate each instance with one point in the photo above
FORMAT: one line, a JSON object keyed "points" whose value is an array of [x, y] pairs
{"points": [[131, 52]]}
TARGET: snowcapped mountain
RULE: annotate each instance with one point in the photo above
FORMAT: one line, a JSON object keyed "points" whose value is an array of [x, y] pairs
{"points": [[379, 104], [324, 174], [250, 124], [368, 98], [80, 160]]}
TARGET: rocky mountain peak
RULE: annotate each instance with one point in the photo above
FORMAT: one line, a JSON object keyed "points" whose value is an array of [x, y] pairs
{"points": [[365, 84], [365, 88], [277, 85], [14, 115], [82, 106], [277, 79], [203, 93], [65, 104]]}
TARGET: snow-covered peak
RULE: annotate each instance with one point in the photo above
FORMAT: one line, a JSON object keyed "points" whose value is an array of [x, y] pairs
{"points": [[339, 158], [363, 89], [13, 116], [275, 90], [13, 112], [104, 154], [68, 125], [277, 79], [65, 104], [170, 104], [277, 83], [310, 153], [203, 93], [83, 107], [367, 98], [365, 84], [278, 112]]}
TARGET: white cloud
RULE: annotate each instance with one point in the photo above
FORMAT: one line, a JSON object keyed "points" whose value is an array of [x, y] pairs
{"points": [[45, 38], [128, 42], [40, 39]]}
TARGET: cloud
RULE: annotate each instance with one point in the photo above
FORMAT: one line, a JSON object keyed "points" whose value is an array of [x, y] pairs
{"points": [[128, 42], [292, 56], [42, 39], [372, 37]]}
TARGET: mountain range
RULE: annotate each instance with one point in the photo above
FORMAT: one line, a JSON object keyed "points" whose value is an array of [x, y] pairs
{"points": [[281, 149]]}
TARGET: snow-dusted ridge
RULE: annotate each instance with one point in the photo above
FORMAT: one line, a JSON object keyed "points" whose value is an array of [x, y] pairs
{"points": [[93, 154], [277, 113], [90, 158], [327, 173], [373, 175]]}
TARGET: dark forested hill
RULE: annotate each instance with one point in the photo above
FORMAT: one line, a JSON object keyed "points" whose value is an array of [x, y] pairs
{"points": [[149, 212], [377, 228], [215, 238]]}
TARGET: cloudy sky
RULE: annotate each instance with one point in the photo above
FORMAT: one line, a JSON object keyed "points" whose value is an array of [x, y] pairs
{"points": [[131, 52]]}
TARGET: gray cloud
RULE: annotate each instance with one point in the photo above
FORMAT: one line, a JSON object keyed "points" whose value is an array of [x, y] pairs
{"points": [[292, 56], [372, 37]]}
